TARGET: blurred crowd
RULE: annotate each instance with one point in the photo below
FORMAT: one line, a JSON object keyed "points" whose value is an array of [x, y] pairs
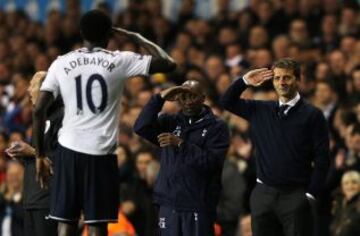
{"points": [[324, 35]]}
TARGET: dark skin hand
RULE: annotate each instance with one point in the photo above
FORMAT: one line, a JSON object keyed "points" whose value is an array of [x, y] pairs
{"points": [[172, 94], [20, 149], [43, 171], [169, 139], [43, 164]]}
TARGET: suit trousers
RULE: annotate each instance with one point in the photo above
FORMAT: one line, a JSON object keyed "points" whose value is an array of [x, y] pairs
{"points": [[277, 212]]}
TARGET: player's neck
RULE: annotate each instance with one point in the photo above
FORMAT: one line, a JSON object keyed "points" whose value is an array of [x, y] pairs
{"points": [[91, 45]]}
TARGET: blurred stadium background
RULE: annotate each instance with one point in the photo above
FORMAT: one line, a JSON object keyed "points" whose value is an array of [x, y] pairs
{"points": [[214, 41]]}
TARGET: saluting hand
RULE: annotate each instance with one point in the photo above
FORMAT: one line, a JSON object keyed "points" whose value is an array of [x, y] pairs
{"points": [[171, 94], [258, 76], [166, 139], [43, 171]]}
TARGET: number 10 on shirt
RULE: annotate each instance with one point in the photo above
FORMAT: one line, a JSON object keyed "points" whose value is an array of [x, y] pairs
{"points": [[88, 92]]}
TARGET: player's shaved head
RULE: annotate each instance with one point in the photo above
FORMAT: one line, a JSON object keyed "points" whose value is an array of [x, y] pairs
{"points": [[95, 26], [194, 86], [192, 98]]}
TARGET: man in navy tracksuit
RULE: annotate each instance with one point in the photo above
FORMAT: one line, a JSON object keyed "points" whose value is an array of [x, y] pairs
{"points": [[193, 147], [291, 147]]}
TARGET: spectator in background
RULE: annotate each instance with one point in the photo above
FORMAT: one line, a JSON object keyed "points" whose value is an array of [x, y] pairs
{"points": [[280, 46], [352, 161], [222, 83], [328, 40], [234, 55], [338, 76], [346, 207], [227, 36], [355, 81], [237, 181], [136, 196], [258, 38], [343, 119], [322, 71], [11, 210], [347, 45], [348, 21], [263, 58], [325, 99], [299, 34], [125, 163], [214, 67]]}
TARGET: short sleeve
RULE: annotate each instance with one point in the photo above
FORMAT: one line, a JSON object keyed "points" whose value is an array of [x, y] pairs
{"points": [[51, 83], [135, 64]]}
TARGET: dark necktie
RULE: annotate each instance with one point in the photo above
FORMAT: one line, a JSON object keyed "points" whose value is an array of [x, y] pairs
{"points": [[282, 110]]}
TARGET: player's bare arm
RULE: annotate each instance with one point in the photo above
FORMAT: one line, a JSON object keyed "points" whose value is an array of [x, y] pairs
{"points": [[161, 61], [43, 166]]}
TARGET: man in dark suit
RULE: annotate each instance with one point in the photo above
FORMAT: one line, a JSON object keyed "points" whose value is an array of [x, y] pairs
{"points": [[292, 150]]}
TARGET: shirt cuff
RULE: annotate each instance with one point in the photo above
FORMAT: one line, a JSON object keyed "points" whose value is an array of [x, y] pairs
{"points": [[309, 196], [245, 81]]}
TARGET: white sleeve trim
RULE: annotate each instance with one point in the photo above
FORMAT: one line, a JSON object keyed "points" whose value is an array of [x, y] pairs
{"points": [[245, 81], [308, 195], [49, 90], [147, 71]]}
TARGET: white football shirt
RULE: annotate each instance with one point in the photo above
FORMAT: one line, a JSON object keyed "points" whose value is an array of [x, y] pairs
{"points": [[91, 84]]}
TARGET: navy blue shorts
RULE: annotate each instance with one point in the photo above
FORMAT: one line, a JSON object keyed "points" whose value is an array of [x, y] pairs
{"points": [[175, 223], [85, 184]]}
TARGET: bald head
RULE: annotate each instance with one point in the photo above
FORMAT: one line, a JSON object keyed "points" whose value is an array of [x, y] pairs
{"points": [[191, 98], [194, 86]]}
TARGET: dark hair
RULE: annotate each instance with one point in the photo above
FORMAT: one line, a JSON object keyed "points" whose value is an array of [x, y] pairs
{"points": [[145, 150], [330, 84], [348, 117], [95, 26], [288, 63], [356, 68], [127, 151], [356, 129]]}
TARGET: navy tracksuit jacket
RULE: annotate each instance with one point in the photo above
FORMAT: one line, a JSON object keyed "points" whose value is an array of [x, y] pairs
{"points": [[190, 176]]}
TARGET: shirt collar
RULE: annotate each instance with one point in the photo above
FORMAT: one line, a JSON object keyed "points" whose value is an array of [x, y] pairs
{"points": [[292, 102], [198, 118]]}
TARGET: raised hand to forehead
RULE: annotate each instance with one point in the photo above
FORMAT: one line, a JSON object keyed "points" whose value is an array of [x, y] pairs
{"points": [[171, 94], [258, 76]]}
